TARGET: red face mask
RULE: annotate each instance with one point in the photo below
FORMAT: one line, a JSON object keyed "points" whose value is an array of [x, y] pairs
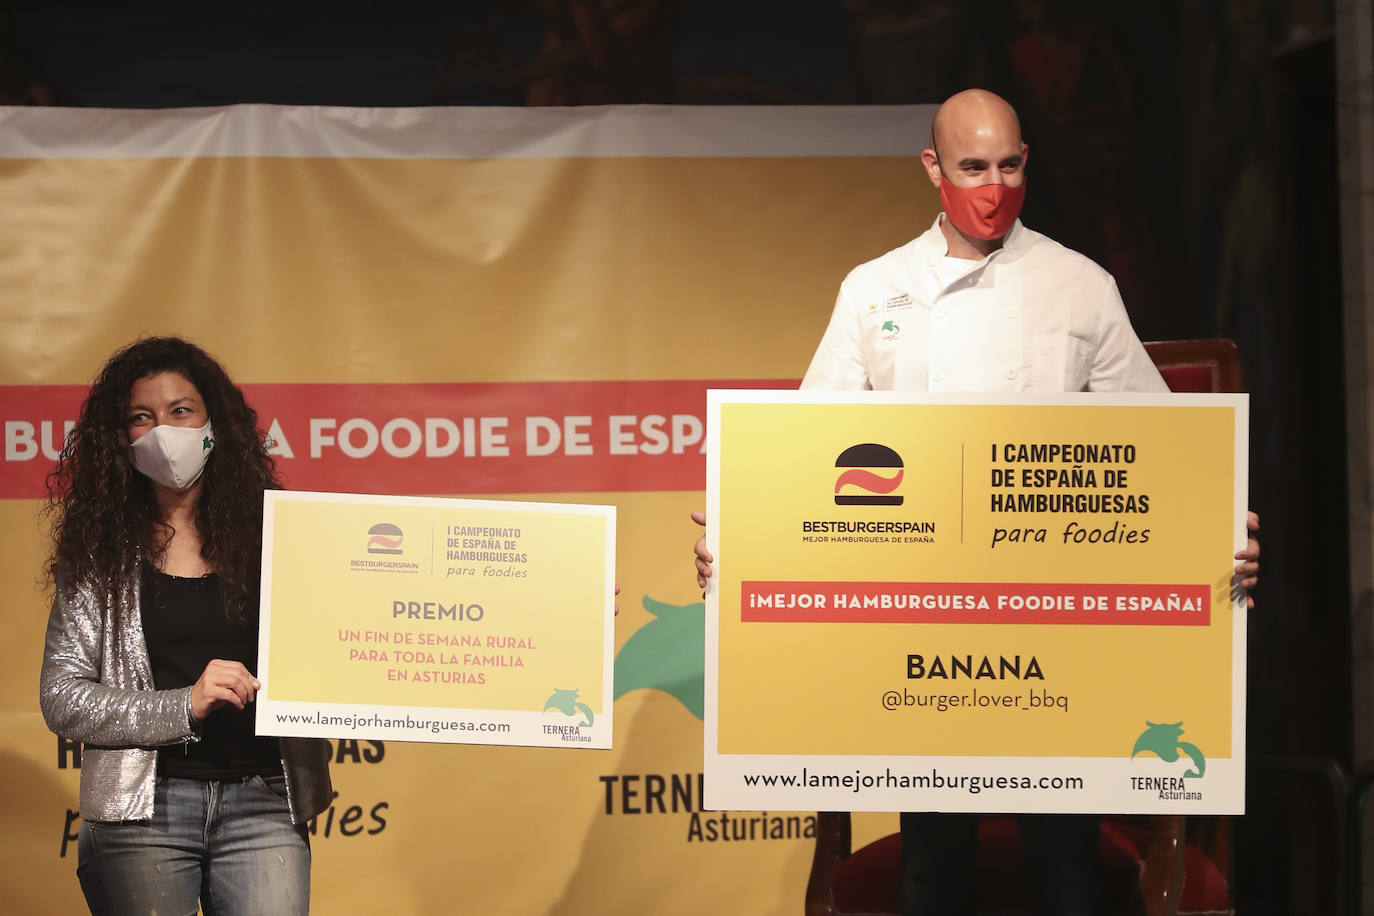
{"points": [[985, 212]]}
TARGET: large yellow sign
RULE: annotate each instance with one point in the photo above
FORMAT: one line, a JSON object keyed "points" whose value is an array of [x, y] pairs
{"points": [[423, 619], [951, 603]]}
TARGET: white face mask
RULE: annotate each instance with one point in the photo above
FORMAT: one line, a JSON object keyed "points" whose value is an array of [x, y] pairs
{"points": [[173, 456]]}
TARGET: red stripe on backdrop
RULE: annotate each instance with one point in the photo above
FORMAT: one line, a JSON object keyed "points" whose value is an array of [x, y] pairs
{"points": [[515, 437]]}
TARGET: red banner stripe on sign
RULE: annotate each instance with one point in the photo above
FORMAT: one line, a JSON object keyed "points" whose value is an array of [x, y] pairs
{"points": [[441, 438], [961, 602]]}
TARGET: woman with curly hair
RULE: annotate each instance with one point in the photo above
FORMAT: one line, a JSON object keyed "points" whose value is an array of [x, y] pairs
{"points": [[156, 504]]}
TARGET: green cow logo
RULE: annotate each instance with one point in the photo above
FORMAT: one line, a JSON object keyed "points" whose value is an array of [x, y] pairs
{"points": [[1162, 741], [668, 653], [565, 701]]}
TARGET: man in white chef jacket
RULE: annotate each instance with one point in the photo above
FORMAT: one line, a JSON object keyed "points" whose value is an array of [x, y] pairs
{"points": [[979, 302]]}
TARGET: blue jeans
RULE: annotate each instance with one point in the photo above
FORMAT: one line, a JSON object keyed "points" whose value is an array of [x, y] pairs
{"points": [[229, 847]]}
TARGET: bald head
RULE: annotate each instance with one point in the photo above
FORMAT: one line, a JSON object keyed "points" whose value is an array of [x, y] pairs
{"points": [[976, 141], [972, 113]]}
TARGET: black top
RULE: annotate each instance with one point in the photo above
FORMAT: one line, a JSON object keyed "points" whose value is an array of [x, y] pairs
{"points": [[185, 626]]}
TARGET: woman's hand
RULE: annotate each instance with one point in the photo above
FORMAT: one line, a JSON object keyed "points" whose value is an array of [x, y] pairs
{"points": [[222, 682]]}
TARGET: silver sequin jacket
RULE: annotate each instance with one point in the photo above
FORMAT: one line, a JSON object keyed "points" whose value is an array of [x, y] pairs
{"points": [[96, 687]]}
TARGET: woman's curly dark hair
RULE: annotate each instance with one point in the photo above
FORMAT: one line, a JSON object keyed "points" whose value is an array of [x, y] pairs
{"points": [[104, 513]]}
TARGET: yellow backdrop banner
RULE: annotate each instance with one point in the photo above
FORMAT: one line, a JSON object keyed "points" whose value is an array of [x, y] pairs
{"points": [[451, 302]]}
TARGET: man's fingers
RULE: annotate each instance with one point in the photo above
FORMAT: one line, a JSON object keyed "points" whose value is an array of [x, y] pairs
{"points": [[703, 556]]}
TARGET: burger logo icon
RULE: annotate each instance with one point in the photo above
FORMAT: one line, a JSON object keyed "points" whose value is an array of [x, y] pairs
{"points": [[384, 538], [869, 473]]}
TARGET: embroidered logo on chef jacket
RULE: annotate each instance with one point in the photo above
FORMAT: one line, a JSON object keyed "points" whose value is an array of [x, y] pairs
{"points": [[890, 330], [869, 476]]}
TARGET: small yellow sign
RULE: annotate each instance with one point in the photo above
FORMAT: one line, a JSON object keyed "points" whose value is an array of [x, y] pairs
{"points": [[407, 618]]}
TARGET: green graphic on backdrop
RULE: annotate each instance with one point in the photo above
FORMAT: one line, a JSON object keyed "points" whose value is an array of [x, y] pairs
{"points": [[668, 653], [1162, 741], [565, 701]]}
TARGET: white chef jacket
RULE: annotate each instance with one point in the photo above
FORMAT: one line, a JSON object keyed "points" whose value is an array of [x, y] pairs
{"points": [[1031, 316]]}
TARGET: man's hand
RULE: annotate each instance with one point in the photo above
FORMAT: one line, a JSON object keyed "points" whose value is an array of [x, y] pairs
{"points": [[1247, 571], [703, 556]]}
